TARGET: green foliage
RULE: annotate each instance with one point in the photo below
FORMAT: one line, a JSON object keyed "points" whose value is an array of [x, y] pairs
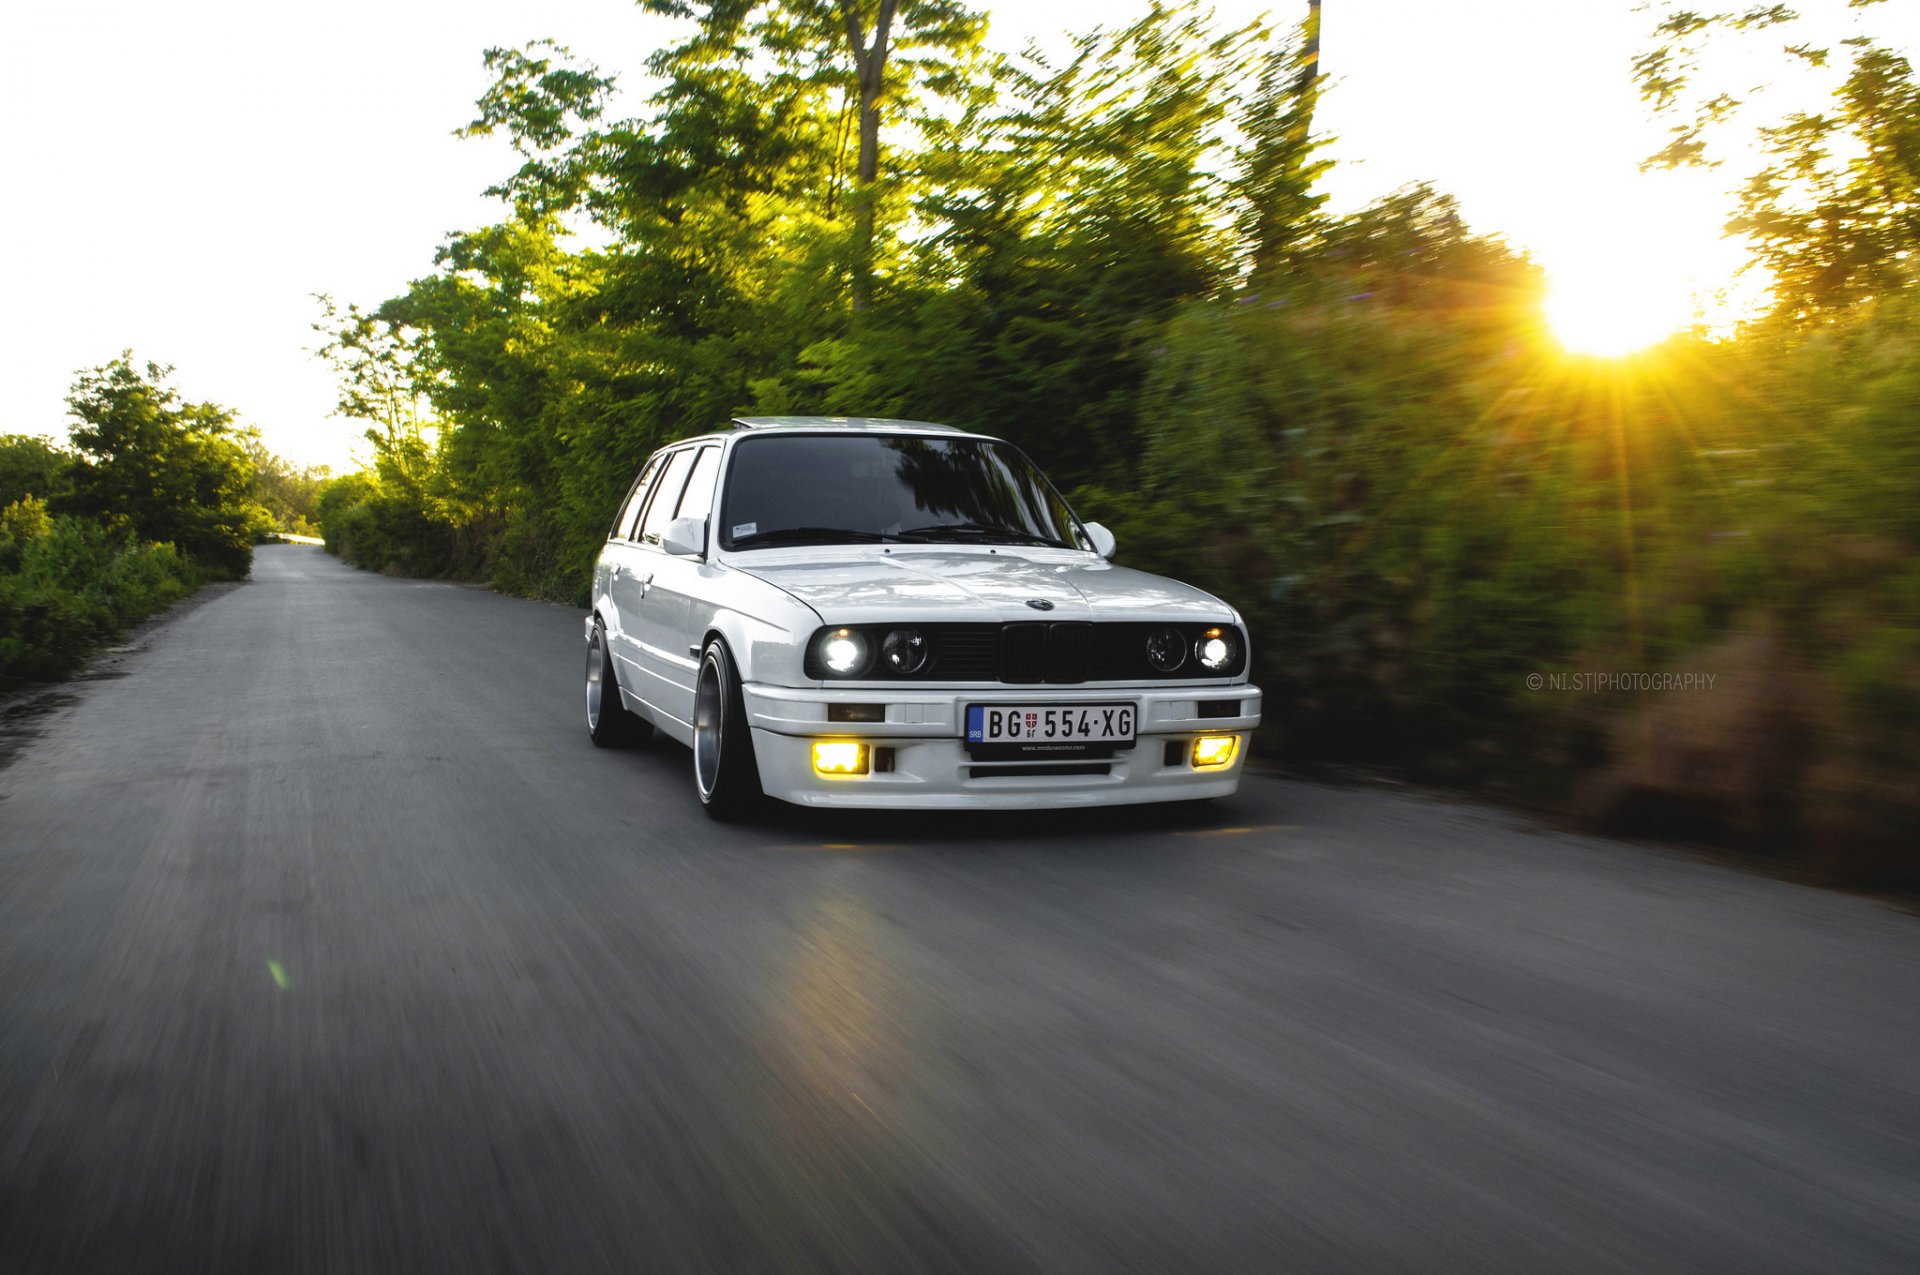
{"points": [[1279, 164], [1833, 213], [386, 531], [826, 74], [25, 519], [67, 583], [287, 493], [32, 466], [1336, 454], [1069, 215], [540, 102], [161, 468]]}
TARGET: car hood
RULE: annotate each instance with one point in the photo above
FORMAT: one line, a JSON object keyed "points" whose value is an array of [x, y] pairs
{"points": [[973, 584]]}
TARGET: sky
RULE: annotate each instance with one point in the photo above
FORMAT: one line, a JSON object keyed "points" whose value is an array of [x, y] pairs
{"points": [[186, 176]]}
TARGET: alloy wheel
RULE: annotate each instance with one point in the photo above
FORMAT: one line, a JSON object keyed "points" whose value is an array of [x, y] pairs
{"points": [[709, 718]]}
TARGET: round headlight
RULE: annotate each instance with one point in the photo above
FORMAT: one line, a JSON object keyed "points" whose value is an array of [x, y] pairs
{"points": [[1166, 649], [905, 651], [844, 652], [1216, 649]]}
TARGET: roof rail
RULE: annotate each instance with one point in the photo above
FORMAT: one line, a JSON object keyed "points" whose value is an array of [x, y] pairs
{"points": [[852, 422]]}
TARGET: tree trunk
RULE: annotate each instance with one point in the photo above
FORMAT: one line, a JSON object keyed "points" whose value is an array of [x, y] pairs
{"points": [[871, 63], [1279, 176], [1303, 90]]}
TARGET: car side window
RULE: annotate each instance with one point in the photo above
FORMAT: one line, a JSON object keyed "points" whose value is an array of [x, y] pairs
{"points": [[630, 511], [698, 501], [666, 497]]}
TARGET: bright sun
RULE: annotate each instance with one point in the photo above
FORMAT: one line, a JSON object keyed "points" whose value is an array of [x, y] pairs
{"points": [[1614, 307], [1631, 269]]}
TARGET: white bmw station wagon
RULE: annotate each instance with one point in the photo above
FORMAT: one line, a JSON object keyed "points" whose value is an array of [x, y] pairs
{"points": [[856, 612]]}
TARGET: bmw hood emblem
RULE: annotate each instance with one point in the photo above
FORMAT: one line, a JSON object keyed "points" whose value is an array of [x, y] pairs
{"points": [[1040, 604]]}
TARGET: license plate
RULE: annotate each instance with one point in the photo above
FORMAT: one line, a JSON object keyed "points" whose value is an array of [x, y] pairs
{"points": [[1050, 727]]}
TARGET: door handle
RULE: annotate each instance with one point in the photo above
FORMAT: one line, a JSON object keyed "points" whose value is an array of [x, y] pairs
{"points": [[646, 582]]}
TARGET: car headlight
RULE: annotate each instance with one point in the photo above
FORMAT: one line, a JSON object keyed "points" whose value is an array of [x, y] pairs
{"points": [[904, 651], [843, 652], [1217, 650], [1166, 649]]}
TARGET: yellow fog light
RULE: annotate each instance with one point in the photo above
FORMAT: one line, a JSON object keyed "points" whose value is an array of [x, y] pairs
{"points": [[1210, 752], [836, 758]]}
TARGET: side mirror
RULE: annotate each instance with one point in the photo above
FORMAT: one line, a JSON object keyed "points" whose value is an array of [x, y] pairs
{"points": [[685, 538], [1102, 539]]}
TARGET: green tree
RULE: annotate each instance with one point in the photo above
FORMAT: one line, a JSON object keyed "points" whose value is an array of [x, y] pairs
{"points": [[1279, 164], [31, 466], [286, 491], [1068, 216], [165, 469], [543, 103], [1833, 212], [873, 55]]}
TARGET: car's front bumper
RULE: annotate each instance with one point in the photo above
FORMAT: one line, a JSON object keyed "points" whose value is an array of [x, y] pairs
{"points": [[931, 767]]}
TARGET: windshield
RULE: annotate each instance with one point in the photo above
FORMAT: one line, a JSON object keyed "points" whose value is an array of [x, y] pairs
{"points": [[909, 489]]}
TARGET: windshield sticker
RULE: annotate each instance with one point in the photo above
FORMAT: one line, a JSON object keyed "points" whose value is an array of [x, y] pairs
{"points": [[744, 529]]}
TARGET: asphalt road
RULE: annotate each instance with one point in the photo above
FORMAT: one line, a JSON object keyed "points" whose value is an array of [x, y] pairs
{"points": [[327, 942]]}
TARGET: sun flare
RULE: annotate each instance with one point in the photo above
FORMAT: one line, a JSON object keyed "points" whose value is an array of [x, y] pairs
{"points": [[1611, 313], [1629, 268]]}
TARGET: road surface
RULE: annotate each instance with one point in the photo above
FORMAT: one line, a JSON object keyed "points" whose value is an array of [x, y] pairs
{"points": [[328, 943]]}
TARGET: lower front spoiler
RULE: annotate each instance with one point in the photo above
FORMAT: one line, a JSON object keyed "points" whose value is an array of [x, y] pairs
{"points": [[938, 774], [927, 766]]}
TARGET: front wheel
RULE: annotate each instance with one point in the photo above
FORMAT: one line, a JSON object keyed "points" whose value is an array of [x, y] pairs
{"points": [[610, 724], [724, 771]]}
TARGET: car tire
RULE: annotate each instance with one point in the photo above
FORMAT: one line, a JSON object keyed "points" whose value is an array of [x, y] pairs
{"points": [[610, 723], [725, 773]]}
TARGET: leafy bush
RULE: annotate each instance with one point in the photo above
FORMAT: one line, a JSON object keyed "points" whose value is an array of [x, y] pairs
{"points": [[67, 584], [382, 522]]}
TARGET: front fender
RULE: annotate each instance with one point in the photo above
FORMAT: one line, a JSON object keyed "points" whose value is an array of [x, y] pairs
{"points": [[765, 628]]}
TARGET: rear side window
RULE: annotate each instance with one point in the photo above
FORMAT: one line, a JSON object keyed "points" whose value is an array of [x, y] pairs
{"points": [[666, 497], [698, 502], [630, 511]]}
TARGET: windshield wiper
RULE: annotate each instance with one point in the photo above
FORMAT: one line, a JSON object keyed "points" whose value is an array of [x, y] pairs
{"points": [[812, 535], [982, 531]]}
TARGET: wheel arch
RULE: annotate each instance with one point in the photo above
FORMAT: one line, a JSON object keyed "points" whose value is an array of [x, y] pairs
{"points": [[734, 631]]}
